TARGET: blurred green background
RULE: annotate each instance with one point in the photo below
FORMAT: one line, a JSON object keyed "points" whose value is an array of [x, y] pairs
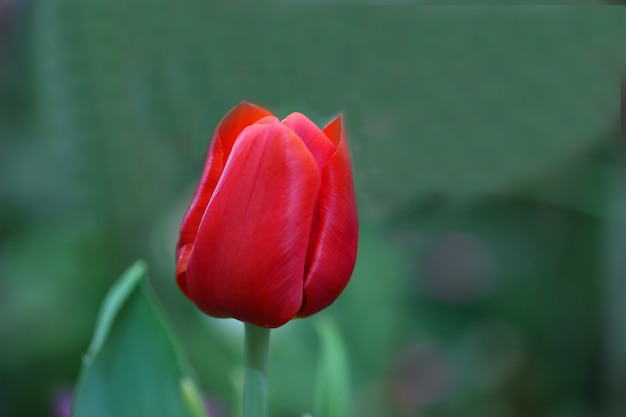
{"points": [[490, 165]]}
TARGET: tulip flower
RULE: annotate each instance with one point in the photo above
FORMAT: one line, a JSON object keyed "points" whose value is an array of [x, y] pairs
{"points": [[271, 233]]}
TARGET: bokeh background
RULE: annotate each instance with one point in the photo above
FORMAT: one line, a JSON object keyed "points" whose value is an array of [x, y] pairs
{"points": [[489, 163]]}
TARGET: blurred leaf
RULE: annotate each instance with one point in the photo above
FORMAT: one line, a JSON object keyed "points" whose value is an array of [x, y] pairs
{"points": [[333, 394], [376, 293], [133, 366], [193, 398]]}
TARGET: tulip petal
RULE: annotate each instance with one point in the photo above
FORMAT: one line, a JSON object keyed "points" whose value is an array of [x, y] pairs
{"points": [[334, 253], [248, 258], [315, 140], [244, 114]]}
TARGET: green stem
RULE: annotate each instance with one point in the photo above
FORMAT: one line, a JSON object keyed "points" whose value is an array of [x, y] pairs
{"points": [[255, 399]]}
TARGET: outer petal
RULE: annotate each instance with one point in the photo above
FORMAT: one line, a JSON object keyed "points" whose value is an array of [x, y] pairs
{"points": [[334, 254], [244, 114], [248, 258], [320, 146]]}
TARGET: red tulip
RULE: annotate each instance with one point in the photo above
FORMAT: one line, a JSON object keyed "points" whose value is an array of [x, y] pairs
{"points": [[271, 233]]}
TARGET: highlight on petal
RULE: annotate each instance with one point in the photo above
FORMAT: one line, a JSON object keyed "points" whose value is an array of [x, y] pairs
{"points": [[334, 254], [247, 261], [229, 128], [315, 140]]}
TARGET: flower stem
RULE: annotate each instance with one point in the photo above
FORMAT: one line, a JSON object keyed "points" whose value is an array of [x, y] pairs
{"points": [[255, 399]]}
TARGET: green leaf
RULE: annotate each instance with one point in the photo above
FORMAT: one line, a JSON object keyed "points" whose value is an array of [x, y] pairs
{"points": [[133, 366], [332, 394], [193, 398]]}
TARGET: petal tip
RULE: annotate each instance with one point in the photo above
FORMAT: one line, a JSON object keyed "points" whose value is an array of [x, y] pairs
{"points": [[335, 129]]}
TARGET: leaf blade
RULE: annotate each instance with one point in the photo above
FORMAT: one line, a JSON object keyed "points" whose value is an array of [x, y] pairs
{"points": [[134, 365]]}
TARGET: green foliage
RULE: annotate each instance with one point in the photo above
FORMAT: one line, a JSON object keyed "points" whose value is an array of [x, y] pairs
{"points": [[133, 366], [193, 398], [333, 393]]}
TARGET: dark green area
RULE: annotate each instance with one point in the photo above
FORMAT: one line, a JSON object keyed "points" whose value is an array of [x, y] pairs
{"points": [[490, 175]]}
